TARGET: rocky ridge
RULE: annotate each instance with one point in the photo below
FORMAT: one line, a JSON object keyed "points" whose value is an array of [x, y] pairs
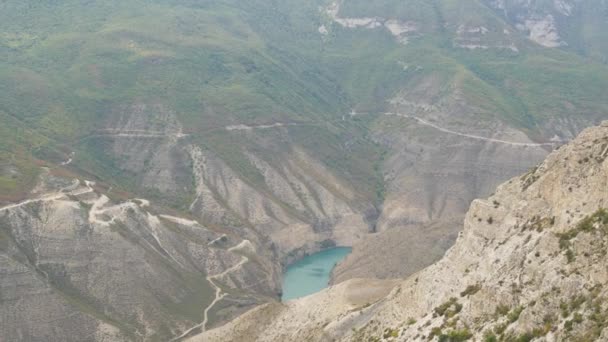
{"points": [[529, 265], [81, 262]]}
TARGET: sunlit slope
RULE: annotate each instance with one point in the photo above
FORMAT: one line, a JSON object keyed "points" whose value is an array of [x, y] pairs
{"points": [[71, 68]]}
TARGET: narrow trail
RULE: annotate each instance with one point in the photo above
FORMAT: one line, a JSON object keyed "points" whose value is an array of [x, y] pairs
{"points": [[216, 240], [50, 197], [472, 136], [69, 160], [99, 209], [180, 220], [40, 199], [118, 130], [245, 244], [136, 133], [243, 127], [142, 135]]}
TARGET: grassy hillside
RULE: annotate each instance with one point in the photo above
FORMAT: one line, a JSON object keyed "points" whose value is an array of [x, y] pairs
{"points": [[527, 87], [67, 68]]}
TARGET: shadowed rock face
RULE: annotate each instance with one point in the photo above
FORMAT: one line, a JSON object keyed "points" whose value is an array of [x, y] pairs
{"points": [[129, 272], [530, 262], [297, 205], [435, 167], [103, 266], [132, 269]]}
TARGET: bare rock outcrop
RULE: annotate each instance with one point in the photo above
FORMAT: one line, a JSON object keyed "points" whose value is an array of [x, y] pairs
{"points": [[77, 265], [529, 264]]}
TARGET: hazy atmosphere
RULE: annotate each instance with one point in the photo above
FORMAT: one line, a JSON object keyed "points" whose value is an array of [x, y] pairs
{"points": [[303, 170]]}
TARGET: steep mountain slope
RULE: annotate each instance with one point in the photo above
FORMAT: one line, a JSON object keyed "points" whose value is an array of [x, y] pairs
{"points": [[78, 265], [529, 265], [578, 26], [295, 125], [212, 65]]}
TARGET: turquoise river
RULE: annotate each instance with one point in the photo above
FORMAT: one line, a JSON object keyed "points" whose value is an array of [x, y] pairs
{"points": [[312, 273]]}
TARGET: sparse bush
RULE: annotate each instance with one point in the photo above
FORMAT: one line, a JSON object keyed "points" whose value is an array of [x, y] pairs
{"points": [[502, 310], [570, 256], [499, 329], [457, 308], [443, 309], [456, 336], [576, 302], [490, 337], [564, 308], [470, 290], [436, 331], [388, 332], [514, 315], [525, 337]]}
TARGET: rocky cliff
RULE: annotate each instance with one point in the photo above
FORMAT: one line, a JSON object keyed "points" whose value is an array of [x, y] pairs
{"points": [[228, 138], [530, 264], [569, 24]]}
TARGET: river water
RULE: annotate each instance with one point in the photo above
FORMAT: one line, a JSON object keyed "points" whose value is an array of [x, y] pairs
{"points": [[312, 273]]}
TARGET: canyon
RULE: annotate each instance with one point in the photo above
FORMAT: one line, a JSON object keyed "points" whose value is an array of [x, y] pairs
{"points": [[163, 163]]}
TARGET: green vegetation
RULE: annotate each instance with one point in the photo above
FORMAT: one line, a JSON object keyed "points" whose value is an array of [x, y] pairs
{"points": [[470, 290], [448, 309], [599, 218], [69, 68], [529, 178], [597, 222], [490, 337], [502, 310], [514, 314], [537, 223], [456, 336], [394, 333]]}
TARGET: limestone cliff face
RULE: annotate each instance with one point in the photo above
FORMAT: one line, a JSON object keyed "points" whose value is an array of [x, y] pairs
{"points": [[529, 264], [300, 206], [558, 23], [93, 263], [445, 152], [443, 155], [223, 252], [295, 205]]}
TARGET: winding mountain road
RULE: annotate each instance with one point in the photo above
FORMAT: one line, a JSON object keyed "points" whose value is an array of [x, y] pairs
{"points": [[219, 295], [471, 136], [243, 127], [50, 197]]}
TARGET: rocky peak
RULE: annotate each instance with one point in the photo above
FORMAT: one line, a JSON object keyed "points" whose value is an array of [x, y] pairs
{"points": [[530, 264], [530, 260]]}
